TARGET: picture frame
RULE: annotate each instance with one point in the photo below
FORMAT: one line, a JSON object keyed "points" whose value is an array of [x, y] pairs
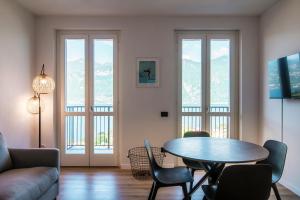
{"points": [[147, 72]]}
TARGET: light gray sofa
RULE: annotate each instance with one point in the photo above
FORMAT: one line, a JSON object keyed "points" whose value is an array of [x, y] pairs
{"points": [[28, 174]]}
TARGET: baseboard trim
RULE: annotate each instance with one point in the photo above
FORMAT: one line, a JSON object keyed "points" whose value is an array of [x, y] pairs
{"points": [[290, 186]]}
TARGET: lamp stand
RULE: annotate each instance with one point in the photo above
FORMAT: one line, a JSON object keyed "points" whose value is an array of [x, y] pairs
{"points": [[40, 119]]}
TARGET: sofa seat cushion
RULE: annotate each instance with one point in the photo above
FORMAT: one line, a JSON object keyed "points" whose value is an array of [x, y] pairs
{"points": [[26, 183]]}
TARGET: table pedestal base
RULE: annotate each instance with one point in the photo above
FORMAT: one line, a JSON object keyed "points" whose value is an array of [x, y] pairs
{"points": [[212, 174]]}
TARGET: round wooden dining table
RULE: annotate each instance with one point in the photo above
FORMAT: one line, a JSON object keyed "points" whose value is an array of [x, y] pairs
{"points": [[217, 151]]}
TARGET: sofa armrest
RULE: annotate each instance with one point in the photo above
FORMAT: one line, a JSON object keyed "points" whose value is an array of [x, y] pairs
{"points": [[44, 157]]}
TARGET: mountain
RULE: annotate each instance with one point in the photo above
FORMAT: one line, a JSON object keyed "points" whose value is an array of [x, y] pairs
{"points": [[191, 92], [75, 83], [191, 77]]}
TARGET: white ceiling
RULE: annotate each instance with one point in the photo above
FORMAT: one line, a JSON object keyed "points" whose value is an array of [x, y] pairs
{"points": [[147, 7]]}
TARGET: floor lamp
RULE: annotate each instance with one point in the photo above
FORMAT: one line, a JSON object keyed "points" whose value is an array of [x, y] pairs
{"points": [[42, 84]]}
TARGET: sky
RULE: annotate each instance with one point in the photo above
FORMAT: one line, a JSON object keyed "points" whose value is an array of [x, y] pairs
{"points": [[103, 49], [191, 49]]}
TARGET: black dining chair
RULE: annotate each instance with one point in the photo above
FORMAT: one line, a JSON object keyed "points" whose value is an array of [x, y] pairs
{"points": [[241, 182], [192, 164], [166, 177], [277, 155]]}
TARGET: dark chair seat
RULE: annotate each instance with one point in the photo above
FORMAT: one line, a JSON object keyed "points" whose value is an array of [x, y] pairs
{"points": [[177, 175]]}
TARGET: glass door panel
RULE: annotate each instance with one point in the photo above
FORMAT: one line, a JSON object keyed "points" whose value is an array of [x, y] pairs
{"points": [[74, 96], [103, 92], [103, 63], [221, 84], [219, 75], [219, 126], [75, 134], [191, 123], [191, 75], [75, 75], [103, 135], [191, 84]]}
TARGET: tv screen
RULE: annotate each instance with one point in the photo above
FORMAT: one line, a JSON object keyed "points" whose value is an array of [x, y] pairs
{"points": [[293, 63], [278, 79]]}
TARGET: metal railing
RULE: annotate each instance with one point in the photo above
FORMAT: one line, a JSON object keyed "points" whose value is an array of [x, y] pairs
{"points": [[103, 128], [219, 124], [103, 125]]}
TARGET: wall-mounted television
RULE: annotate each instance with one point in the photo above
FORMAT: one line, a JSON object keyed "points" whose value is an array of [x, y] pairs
{"points": [[279, 86], [293, 64]]}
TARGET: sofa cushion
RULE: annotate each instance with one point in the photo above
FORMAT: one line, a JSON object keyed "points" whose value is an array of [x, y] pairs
{"points": [[5, 161], [26, 183]]}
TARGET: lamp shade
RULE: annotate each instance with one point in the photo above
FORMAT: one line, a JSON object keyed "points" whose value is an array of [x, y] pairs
{"points": [[43, 84], [33, 105]]}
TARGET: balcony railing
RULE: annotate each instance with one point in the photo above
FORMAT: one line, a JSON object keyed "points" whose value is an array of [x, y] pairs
{"points": [[219, 124], [103, 125], [103, 129]]}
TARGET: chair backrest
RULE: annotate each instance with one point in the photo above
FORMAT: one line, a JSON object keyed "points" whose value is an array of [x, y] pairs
{"points": [[277, 155], [196, 134], [246, 182], [153, 164]]}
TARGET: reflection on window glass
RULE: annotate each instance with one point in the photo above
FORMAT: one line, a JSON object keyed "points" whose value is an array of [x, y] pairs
{"points": [[74, 75], [191, 75], [219, 75]]}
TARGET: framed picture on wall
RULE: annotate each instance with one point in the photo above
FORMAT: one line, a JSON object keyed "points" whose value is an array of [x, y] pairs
{"points": [[147, 72]]}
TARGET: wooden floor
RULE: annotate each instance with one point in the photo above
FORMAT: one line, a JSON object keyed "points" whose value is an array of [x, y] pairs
{"points": [[117, 184]]}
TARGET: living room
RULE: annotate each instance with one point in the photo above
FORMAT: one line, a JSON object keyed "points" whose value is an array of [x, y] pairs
{"points": [[121, 72]]}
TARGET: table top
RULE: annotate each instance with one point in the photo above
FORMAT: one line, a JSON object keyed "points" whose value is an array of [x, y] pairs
{"points": [[216, 150]]}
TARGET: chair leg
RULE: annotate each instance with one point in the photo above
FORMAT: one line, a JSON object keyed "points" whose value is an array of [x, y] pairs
{"points": [[151, 191], [191, 183], [154, 192], [276, 191], [185, 192]]}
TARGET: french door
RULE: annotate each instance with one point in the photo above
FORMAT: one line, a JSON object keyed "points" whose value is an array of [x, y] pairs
{"points": [[88, 98], [207, 83]]}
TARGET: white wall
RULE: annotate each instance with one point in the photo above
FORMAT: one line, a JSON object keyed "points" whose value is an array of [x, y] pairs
{"points": [[280, 36], [16, 69], [152, 37]]}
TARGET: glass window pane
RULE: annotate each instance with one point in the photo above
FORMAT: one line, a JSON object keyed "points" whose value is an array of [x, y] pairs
{"points": [[191, 75], [219, 75], [219, 126], [103, 134], [103, 75], [75, 134], [190, 123], [74, 75]]}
